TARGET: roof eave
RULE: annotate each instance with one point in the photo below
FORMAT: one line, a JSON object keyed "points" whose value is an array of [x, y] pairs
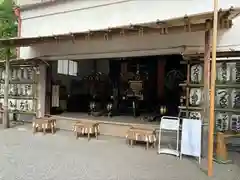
{"points": [[41, 4]]}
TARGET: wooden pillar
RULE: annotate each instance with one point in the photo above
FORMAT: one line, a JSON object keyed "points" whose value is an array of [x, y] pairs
{"points": [[6, 123], [212, 96], [207, 51]]}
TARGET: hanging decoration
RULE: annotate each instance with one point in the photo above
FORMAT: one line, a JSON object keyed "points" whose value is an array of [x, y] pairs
{"points": [[25, 105], [196, 74], [195, 96], [235, 99], [24, 73], [3, 74], [12, 104], [223, 72], [1, 71], [195, 115], [14, 74], [222, 121], [235, 123], [1, 89], [222, 98], [235, 72]]}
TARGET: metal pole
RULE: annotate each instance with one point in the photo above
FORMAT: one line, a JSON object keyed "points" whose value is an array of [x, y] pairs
{"points": [[6, 123], [212, 96]]}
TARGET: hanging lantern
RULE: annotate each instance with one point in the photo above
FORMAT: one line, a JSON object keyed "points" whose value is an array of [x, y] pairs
{"points": [[29, 73], [235, 123], [223, 72], [19, 73], [222, 121], [25, 73], [14, 74], [3, 74], [222, 98], [1, 70], [163, 110], [19, 93], [195, 115], [196, 73]]}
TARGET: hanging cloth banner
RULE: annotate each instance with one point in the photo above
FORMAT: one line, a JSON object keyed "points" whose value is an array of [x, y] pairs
{"points": [[55, 96]]}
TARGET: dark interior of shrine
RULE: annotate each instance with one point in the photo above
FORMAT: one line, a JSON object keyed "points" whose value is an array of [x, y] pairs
{"points": [[134, 86]]}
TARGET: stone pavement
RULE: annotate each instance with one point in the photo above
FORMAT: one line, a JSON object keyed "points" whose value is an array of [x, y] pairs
{"points": [[24, 156]]}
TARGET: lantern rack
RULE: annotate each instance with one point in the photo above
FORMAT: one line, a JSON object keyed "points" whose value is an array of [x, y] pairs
{"points": [[227, 97], [23, 86]]}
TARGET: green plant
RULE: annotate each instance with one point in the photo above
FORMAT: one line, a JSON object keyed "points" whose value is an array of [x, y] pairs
{"points": [[8, 25]]}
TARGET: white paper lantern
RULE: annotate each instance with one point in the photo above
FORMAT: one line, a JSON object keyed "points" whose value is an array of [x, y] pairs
{"points": [[222, 121], [222, 98], [196, 73], [195, 96], [223, 72]]}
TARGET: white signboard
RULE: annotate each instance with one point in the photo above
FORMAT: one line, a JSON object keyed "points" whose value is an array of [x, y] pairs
{"points": [[171, 124], [191, 138]]}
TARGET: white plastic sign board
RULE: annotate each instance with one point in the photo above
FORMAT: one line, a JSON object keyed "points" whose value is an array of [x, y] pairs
{"points": [[191, 138], [169, 123]]}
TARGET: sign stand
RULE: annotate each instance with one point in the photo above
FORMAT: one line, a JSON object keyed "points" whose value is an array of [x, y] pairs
{"points": [[169, 123], [191, 138]]}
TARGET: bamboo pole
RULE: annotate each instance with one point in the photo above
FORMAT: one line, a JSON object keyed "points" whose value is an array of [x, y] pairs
{"points": [[6, 123], [212, 96]]}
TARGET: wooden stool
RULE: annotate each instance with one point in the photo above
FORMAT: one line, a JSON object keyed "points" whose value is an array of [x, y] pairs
{"points": [[140, 134], [221, 150], [82, 128], [44, 124]]}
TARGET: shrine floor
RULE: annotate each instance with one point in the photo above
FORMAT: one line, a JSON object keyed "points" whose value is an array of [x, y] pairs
{"points": [[115, 126], [115, 119], [25, 156]]}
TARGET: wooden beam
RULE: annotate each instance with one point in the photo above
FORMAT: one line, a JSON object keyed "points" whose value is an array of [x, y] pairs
{"points": [[6, 123]]}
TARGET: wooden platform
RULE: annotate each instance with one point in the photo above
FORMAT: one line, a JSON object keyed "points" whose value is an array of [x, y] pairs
{"points": [[115, 126]]}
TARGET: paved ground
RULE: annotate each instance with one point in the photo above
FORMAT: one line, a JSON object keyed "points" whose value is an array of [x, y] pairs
{"points": [[24, 156]]}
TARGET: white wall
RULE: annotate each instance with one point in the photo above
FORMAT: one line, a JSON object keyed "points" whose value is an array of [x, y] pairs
{"points": [[29, 2], [77, 16]]}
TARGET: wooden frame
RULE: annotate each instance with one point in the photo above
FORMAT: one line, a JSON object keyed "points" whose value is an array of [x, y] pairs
{"points": [[139, 134], [44, 124], [82, 128]]}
